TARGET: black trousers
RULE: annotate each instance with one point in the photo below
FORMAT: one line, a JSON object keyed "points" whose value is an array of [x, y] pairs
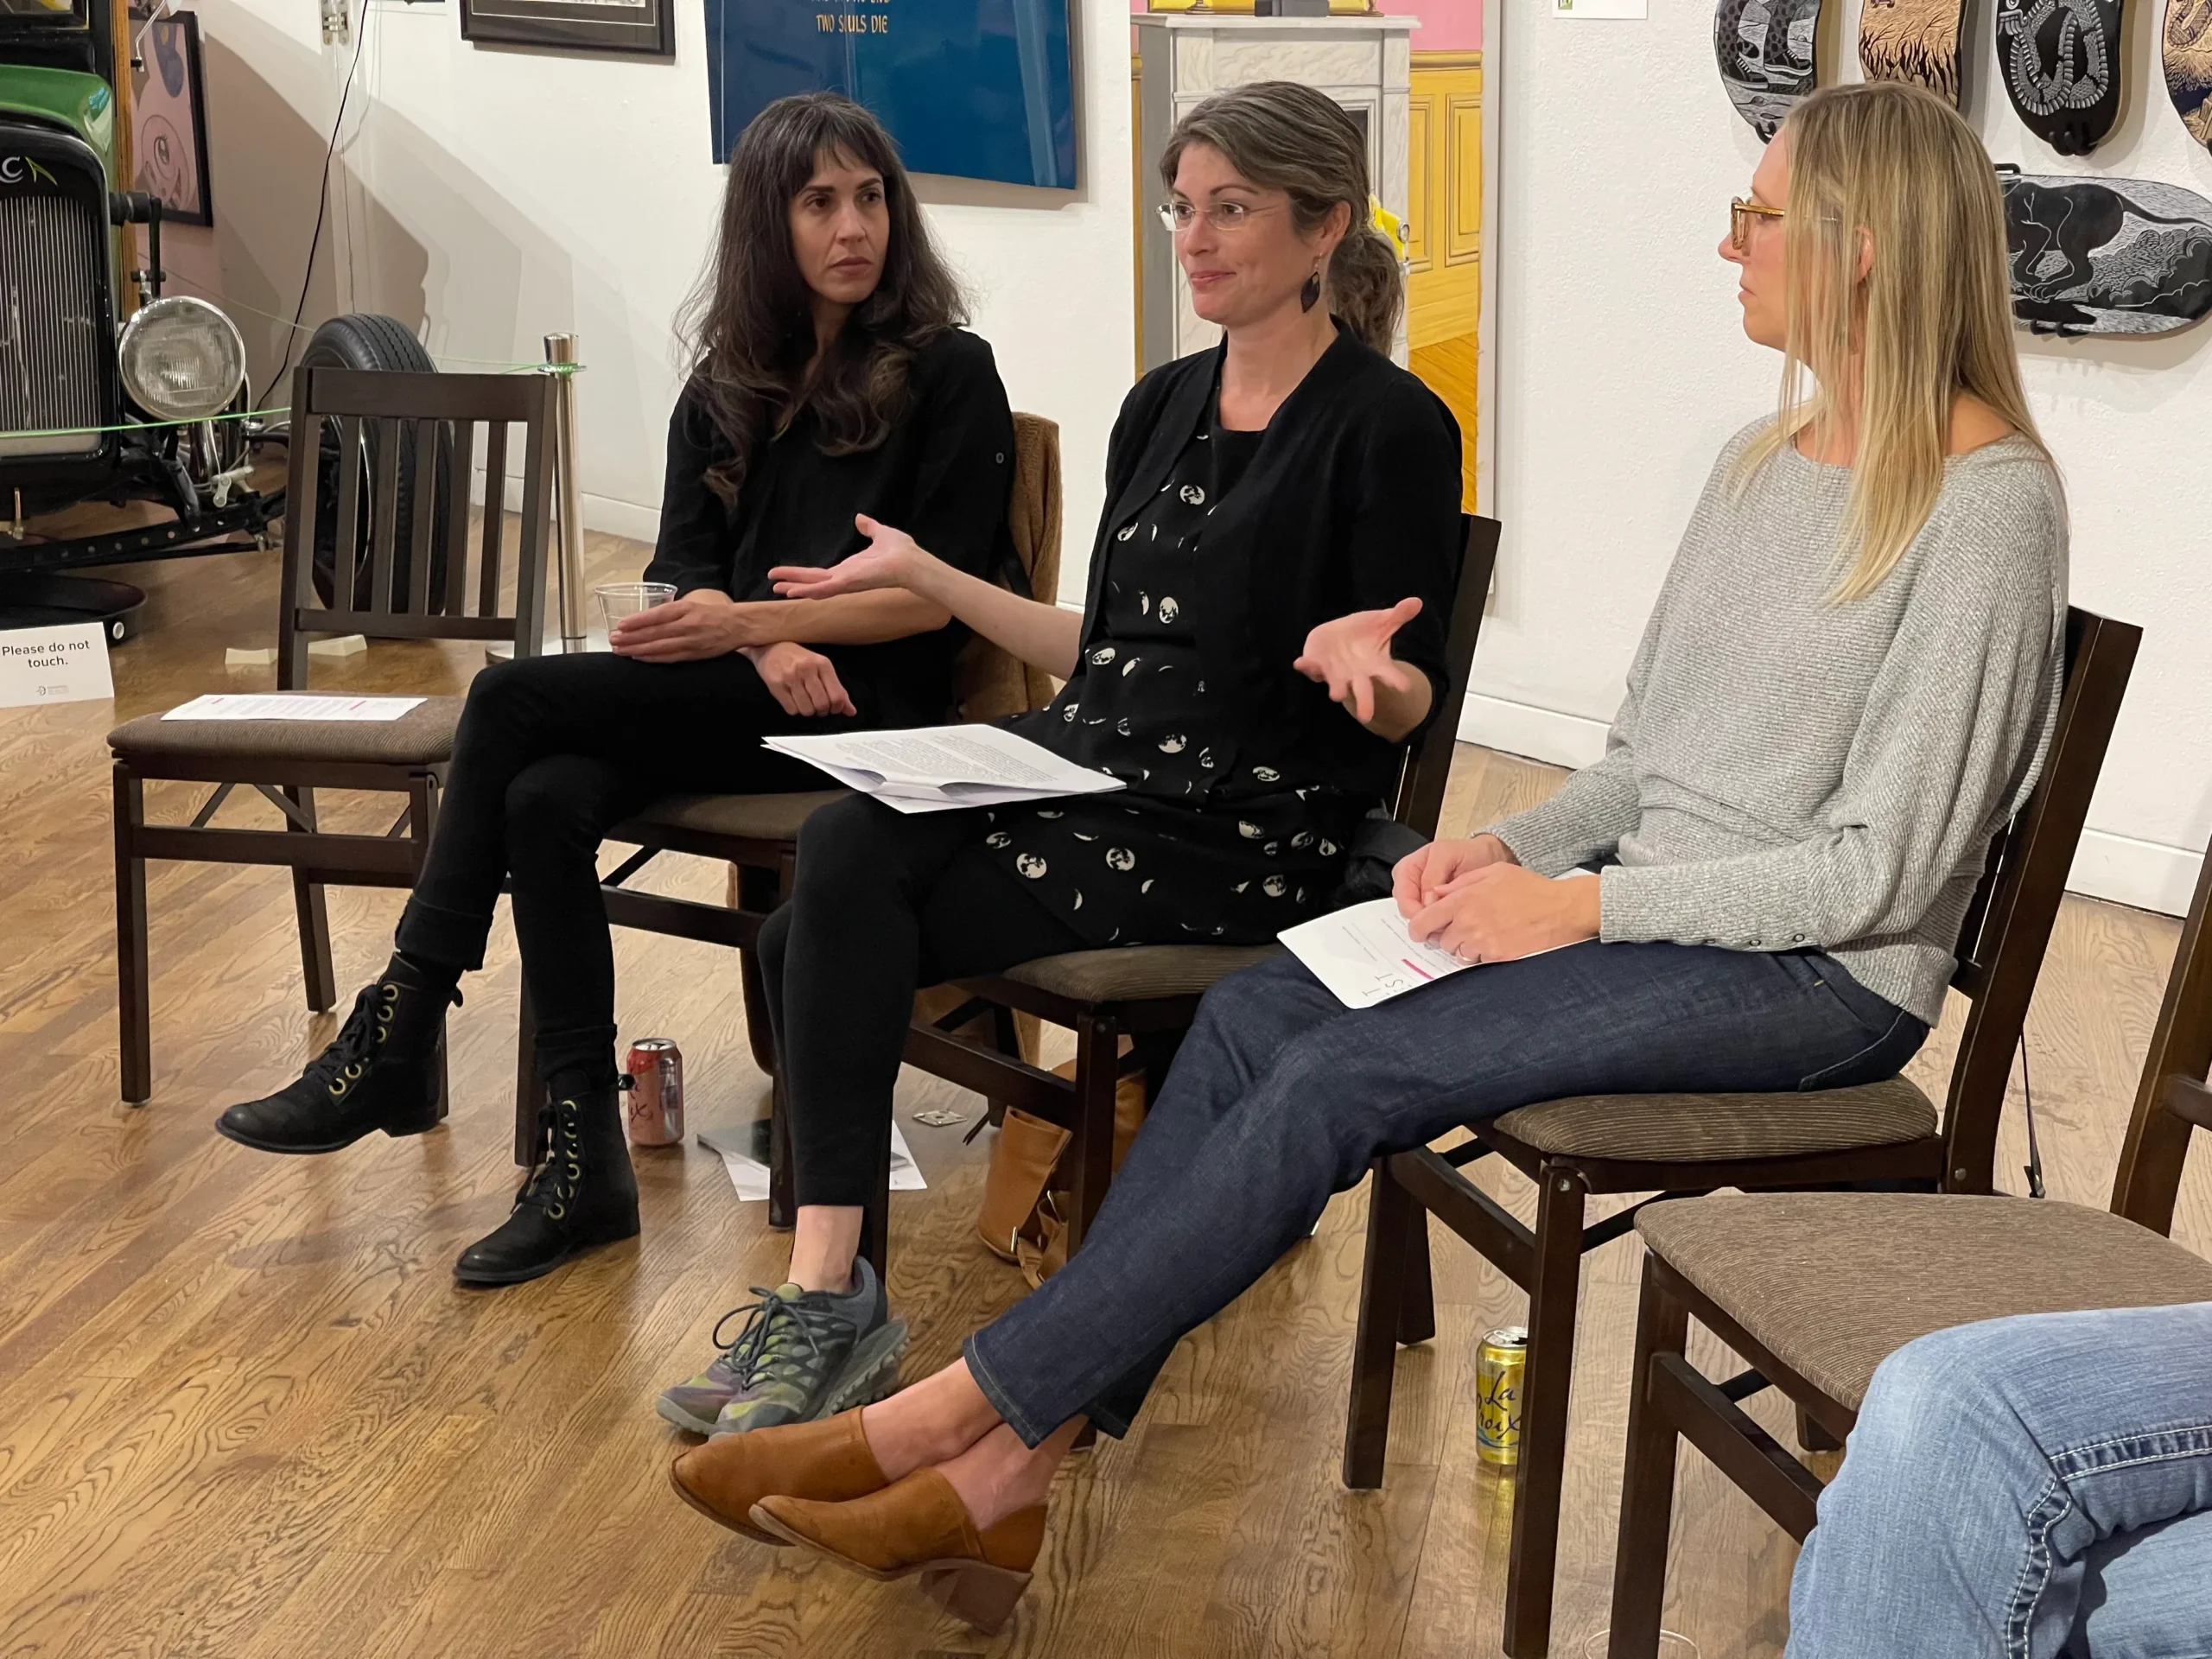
{"points": [[550, 753], [883, 903]]}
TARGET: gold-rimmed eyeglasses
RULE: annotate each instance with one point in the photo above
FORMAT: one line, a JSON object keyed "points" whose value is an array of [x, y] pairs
{"points": [[1740, 215], [1227, 218]]}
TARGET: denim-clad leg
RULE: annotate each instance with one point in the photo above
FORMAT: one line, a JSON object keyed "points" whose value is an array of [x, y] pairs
{"points": [[2025, 1488], [1281, 1097]]}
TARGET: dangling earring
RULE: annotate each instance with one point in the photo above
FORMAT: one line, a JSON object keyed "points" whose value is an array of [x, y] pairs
{"points": [[1309, 295]]}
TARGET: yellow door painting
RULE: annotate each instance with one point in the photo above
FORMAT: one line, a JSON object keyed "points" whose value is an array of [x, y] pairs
{"points": [[1444, 234]]}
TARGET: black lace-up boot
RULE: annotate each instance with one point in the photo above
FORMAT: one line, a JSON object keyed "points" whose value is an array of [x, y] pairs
{"points": [[583, 1193], [381, 1073]]}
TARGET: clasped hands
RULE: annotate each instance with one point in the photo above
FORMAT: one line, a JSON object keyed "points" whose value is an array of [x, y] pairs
{"points": [[1473, 898], [708, 622]]}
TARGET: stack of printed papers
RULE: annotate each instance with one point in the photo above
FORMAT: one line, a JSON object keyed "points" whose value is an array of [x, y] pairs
{"points": [[941, 768]]}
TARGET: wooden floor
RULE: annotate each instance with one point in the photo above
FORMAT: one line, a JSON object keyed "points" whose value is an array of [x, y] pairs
{"points": [[243, 1410]]}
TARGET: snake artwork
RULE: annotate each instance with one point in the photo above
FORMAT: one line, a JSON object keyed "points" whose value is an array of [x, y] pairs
{"points": [[2061, 68]]}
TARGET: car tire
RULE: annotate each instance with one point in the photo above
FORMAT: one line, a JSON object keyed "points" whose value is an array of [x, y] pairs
{"points": [[360, 340]]}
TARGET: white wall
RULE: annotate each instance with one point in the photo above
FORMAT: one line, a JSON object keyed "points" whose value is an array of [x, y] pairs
{"points": [[1622, 368], [487, 196]]}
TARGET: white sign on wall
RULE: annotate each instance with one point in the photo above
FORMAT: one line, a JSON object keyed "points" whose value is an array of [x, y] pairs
{"points": [[67, 664], [1595, 10]]}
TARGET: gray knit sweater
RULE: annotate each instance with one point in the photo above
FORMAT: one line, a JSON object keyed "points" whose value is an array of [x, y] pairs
{"points": [[1789, 771]]}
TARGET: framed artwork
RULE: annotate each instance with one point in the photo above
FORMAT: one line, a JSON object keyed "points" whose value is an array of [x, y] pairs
{"points": [[169, 121], [644, 25]]}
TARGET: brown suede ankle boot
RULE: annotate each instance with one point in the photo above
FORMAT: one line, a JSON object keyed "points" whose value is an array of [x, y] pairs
{"points": [[724, 1478], [919, 1525]]}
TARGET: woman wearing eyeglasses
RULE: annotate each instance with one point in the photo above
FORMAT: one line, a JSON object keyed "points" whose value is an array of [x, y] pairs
{"points": [[1263, 632], [1848, 685]]}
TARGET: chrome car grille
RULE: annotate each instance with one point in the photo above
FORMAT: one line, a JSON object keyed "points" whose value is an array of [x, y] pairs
{"points": [[53, 335]]}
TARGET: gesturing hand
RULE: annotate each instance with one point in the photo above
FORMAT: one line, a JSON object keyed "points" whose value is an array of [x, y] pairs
{"points": [[804, 681], [1501, 912], [891, 559], [1351, 654], [705, 622], [1426, 874]]}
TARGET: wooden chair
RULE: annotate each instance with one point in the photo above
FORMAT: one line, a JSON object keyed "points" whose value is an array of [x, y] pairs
{"points": [[1882, 1133], [1815, 1290], [1149, 993], [758, 835], [286, 762]]}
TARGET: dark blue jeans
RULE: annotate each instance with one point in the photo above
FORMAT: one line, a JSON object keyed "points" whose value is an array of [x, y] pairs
{"points": [[1282, 1095]]}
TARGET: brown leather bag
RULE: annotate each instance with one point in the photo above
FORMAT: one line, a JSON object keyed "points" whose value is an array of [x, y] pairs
{"points": [[1023, 1219]]}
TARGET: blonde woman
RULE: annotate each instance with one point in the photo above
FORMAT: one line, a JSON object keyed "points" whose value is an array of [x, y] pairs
{"points": [[1847, 686]]}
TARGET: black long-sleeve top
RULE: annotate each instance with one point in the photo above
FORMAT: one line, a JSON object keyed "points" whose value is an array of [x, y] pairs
{"points": [[943, 475], [1218, 552]]}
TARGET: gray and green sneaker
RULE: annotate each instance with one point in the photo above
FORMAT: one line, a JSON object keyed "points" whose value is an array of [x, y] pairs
{"points": [[801, 1355]]}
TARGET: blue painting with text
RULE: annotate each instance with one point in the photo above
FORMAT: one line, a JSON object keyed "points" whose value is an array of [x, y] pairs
{"points": [[981, 89]]}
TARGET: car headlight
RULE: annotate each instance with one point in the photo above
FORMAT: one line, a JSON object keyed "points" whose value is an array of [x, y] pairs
{"points": [[181, 360]]}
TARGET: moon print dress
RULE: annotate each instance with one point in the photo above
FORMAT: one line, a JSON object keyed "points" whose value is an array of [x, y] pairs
{"points": [[1199, 846]]}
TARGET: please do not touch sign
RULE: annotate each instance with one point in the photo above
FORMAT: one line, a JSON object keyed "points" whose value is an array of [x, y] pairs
{"points": [[67, 664]]}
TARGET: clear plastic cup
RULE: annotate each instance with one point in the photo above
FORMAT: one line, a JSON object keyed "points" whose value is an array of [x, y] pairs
{"points": [[619, 599]]}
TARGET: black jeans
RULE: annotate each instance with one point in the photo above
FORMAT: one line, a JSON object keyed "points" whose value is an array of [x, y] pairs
{"points": [[550, 753], [883, 903]]}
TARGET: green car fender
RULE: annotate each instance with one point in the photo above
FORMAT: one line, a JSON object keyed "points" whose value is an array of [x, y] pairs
{"points": [[78, 102]]}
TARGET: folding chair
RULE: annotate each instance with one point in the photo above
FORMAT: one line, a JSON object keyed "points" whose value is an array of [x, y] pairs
{"points": [[1884, 1131], [434, 418]]}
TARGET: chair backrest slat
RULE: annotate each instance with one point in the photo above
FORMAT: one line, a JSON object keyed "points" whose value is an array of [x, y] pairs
{"points": [[345, 557], [2148, 1181], [414, 435], [456, 508], [295, 588], [424, 518], [2008, 928], [384, 514], [495, 515], [536, 521], [1429, 767]]}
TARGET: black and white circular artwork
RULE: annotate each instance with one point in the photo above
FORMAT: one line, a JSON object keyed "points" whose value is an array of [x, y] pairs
{"points": [[2061, 68], [2104, 256], [1765, 51]]}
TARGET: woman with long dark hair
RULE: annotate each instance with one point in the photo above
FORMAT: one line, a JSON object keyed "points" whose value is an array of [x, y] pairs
{"points": [[1263, 633], [1848, 686], [830, 378]]}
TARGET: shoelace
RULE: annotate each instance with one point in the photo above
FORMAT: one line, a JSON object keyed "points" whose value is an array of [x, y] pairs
{"points": [[758, 1355], [557, 1178], [340, 1066]]}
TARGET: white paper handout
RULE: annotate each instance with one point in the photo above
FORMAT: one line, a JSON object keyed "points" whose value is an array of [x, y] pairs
{"points": [[280, 705], [750, 1176], [1364, 954], [941, 768]]}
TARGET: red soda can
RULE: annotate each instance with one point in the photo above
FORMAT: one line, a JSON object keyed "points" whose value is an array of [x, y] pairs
{"points": [[655, 1114]]}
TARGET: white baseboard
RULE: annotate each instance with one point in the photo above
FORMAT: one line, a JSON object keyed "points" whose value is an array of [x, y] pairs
{"points": [[621, 517], [1525, 729], [2146, 874]]}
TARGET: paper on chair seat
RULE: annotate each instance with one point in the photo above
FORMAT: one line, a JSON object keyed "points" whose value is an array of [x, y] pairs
{"points": [[278, 705], [941, 768]]}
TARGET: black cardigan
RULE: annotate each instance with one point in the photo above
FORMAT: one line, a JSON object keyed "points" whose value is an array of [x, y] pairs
{"points": [[1352, 504], [943, 475]]}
